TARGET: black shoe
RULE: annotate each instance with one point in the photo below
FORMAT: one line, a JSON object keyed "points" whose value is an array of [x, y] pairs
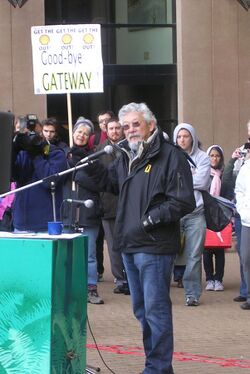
{"points": [[126, 289], [240, 299], [180, 284], [100, 277], [119, 289], [122, 288], [245, 306]]}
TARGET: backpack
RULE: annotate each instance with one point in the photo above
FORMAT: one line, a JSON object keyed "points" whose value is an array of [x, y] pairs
{"points": [[218, 211]]}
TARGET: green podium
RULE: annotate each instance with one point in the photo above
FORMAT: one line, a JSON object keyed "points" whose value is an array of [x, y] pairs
{"points": [[43, 305]]}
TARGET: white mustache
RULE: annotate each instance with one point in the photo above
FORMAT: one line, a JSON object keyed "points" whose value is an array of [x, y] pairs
{"points": [[132, 136]]}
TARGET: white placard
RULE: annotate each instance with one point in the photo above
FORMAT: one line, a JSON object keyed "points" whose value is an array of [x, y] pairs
{"points": [[67, 59]]}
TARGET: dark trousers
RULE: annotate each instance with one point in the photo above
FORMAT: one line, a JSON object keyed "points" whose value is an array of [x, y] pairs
{"points": [[245, 253], [99, 250], [214, 270], [179, 271], [243, 285], [115, 256]]}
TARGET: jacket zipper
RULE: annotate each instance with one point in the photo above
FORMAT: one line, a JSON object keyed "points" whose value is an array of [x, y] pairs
{"points": [[179, 182]]}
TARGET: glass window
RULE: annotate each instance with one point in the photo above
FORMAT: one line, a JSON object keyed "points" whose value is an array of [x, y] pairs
{"points": [[139, 56], [144, 11]]}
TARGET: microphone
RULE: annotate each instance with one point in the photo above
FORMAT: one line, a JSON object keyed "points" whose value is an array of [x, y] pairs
{"points": [[87, 203], [106, 150]]}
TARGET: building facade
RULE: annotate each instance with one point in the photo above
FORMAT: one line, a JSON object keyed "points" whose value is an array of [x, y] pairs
{"points": [[187, 59]]}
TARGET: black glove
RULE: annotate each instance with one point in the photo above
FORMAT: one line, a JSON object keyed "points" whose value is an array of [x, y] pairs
{"points": [[38, 146], [76, 154], [30, 142], [151, 220]]}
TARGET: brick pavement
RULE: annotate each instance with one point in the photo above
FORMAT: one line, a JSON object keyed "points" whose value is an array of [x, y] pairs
{"points": [[211, 338]]}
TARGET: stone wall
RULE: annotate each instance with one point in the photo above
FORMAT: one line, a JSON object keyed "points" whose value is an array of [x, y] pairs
{"points": [[16, 74], [213, 49]]}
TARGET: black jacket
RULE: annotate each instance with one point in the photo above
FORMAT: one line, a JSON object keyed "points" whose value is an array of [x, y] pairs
{"points": [[159, 183], [228, 180], [85, 189], [109, 200]]}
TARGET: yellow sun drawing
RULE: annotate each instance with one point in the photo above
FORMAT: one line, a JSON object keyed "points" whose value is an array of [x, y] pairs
{"points": [[88, 38], [44, 39], [67, 39]]}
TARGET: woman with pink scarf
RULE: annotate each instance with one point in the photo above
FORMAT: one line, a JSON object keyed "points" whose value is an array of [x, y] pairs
{"points": [[214, 258]]}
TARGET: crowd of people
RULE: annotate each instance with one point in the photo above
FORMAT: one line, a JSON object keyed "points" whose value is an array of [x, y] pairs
{"points": [[146, 202]]}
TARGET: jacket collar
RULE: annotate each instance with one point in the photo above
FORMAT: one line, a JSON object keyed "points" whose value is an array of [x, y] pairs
{"points": [[150, 144], [147, 149]]}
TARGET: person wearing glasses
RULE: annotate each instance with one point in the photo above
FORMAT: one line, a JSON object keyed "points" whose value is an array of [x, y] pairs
{"points": [[100, 136], [154, 183]]}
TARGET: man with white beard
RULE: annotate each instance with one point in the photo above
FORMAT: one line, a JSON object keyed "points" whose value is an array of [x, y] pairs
{"points": [[154, 183]]}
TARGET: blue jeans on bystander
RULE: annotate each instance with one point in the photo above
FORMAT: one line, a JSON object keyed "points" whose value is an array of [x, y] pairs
{"points": [[92, 233], [194, 227]]}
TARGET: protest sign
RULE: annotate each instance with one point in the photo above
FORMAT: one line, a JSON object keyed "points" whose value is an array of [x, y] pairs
{"points": [[67, 59]]}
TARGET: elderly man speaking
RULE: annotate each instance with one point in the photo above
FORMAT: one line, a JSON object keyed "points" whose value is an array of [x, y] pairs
{"points": [[154, 183]]}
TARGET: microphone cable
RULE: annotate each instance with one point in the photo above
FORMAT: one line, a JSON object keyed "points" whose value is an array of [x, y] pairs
{"points": [[97, 348]]}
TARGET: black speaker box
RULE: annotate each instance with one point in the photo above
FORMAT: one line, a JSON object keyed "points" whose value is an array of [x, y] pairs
{"points": [[6, 133]]}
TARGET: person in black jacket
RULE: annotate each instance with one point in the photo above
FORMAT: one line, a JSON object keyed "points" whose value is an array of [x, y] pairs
{"points": [[84, 217], [154, 183], [109, 202]]}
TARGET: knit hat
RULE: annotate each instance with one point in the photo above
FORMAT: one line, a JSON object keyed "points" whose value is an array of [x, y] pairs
{"points": [[81, 121]]}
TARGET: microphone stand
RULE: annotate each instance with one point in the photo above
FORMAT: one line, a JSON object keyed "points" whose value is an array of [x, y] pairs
{"points": [[50, 179], [53, 190]]}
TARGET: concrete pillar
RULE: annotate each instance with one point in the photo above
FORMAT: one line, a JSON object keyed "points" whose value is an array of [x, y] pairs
{"points": [[213, 53], [16, 73]]}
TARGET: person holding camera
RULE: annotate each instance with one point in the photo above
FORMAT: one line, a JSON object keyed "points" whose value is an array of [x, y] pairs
{"points": [[34, 159], [229, 176], [242, 191]]}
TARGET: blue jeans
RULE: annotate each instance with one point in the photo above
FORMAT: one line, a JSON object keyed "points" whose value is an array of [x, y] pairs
{"points": [[194, 227], [243, 285], [92, 233], [149, 277]]}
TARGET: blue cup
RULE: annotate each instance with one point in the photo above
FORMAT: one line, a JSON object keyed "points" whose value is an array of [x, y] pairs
{"points": [[55, 228]]}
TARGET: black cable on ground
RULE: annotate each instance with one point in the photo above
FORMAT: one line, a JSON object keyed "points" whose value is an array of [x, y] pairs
{"points": [[91, 332]]}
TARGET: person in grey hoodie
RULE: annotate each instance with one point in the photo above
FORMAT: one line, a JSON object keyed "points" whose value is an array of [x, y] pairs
{"points": [[193, 225]]}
